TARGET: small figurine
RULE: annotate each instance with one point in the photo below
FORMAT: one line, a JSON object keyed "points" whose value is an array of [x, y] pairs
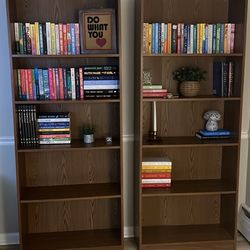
{"points": [[212, 117]]}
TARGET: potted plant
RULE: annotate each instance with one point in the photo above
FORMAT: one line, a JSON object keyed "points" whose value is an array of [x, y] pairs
{"points": [[189, 80], [88, 135]]}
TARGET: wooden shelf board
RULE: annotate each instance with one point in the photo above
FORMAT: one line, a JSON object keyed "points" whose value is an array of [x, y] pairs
{"points": [[69, 101], [194, 55], [94, 239], [192, 187], [184, 234], [189, 141], [70, 192], [64, 56], [193, 99], [76, 144]]}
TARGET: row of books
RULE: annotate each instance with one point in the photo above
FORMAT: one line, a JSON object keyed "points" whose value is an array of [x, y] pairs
{"points": [[219, 134], [156, 172], [154, 91], [27, 118], [201, 38], [68, 83], [223, 78], [47, 38], [54, 128]]}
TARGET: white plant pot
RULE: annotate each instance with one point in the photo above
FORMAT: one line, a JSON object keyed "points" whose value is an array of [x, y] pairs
{"points": [[88, 139]]}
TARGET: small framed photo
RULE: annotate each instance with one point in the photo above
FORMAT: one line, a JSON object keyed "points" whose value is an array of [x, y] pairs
{"points": [[98, 31]]}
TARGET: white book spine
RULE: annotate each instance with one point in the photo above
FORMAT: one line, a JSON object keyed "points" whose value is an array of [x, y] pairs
{"points": [[162, 37], [46, 120], [57, 40], [156, 163], [210, 39], [16, 28], [73, 83], [48, 35], [229, 38], [192, 39], [152, 181], [96, 87]]}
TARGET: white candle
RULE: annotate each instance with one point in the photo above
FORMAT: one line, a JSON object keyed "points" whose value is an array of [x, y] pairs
{"points": [[154, 117]]}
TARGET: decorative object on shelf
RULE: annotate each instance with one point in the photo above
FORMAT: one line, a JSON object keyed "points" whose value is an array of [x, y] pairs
{"points": [[189, 80], [153, 132], [88, 135], [212, 117], [109, 140], [147, 77], [98, 31]]}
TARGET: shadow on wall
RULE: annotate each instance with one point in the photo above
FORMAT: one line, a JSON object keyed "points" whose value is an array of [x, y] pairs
{"points": [[8, 205]]}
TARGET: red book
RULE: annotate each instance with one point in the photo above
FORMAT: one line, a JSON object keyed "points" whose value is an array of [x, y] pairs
{"points": [[77, 32], [26, 84], [23, 87], [30, 85], [51, 86], [155, 91], [158, 185], [69, 41], [61, 38], [57, 92], [81, 83], [179, 39], [156, 175], [61, 84], [162, 95], [65, 40], [54, 136]]}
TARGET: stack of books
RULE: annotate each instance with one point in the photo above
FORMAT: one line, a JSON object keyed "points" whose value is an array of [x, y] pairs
{"points": [[154, 91], [50, 84], [219, 134], [101, 82], [202, 38], [47, 38], [223, 78], [156, 172], [54, 128], [27, 123]]}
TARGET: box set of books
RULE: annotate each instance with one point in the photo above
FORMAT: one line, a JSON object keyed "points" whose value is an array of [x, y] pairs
{"points": [[156, 172], [54, 128]]}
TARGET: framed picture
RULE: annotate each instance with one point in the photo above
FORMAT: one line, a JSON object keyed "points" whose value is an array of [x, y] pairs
{"points": [[98, 31]]}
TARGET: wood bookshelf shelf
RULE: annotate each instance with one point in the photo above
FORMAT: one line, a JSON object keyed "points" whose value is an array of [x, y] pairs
{"points": [[199, 210], [194, 55], [171, 235], [69, 196], [192, 187], [92, 239], [68, 102], [75, 145], [190, 141], [71, 193], [65, 56], [206, 98]]}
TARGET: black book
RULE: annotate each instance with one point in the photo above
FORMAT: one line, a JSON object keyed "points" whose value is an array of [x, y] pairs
{"points": [[53, 115], [28, 39], [101, 77], [225, 78], [101, 68], [44, 39], [217, 78], [77, 76], [185, 39], [24, 39], [20, 125], [174, 38], [65, 88], [101, 96], [69, 86], [101, 91]]}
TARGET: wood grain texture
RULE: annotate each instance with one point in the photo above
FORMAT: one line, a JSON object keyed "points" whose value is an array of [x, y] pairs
{"points": [[185, 210], [73, 216]]}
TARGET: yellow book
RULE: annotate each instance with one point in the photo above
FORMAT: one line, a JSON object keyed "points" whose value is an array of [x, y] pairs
{"points": [[169, 38], [156, 170], [32, 37], [53, 129], [53, 38], [37, 38], [150, 38], [201, 37], [157, 167]]}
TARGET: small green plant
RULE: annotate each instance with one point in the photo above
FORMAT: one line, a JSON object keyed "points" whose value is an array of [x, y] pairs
{"points": [[88, 130], [189, 74]]}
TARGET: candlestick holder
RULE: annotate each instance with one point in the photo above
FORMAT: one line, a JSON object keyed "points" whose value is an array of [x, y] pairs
{"points": [[153, 132]]}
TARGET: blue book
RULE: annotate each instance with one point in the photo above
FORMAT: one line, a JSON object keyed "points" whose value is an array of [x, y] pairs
{"points": [[37, 92], [156, 38], [214, 39], [217, 79], [41, 84], [206, 39], [73, 38], [101, 82], [153, 38], [220, 132], [41, 39], [46, 84]]}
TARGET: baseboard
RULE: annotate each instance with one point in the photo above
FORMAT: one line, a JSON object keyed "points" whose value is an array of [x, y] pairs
{"points": [[128, 232], [9, 239]]}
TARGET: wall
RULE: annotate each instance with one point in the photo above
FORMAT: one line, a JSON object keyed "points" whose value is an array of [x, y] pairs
{"points": [[8, 211], [8, 207]]}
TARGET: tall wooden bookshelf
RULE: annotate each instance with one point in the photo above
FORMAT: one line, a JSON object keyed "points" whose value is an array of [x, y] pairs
{"points": [[200, 210], [70, 197]]}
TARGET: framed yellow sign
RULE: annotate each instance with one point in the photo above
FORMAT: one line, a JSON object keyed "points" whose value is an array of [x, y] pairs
{"points": [[98, 31]]}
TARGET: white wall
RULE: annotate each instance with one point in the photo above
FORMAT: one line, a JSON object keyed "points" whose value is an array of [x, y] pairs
{"points": [[8, 207], [8, 211]]}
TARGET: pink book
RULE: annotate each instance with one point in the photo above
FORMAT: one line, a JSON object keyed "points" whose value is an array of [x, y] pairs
{"points": [[81, 83], [51, 86], [232, 37], [61, 38], [61, 84], [54, 83], [179, 39], [156, 185], [30, 85], [77, 32], [57, 92]]}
